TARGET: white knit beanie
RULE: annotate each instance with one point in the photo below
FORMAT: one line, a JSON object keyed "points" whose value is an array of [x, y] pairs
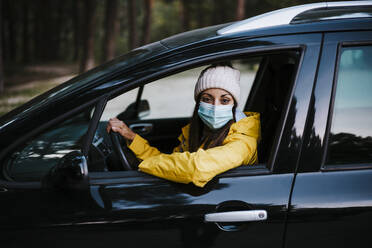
{"points": [[221, 77]]}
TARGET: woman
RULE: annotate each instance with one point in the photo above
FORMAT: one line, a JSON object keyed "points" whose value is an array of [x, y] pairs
{"points": [[219, 137]]}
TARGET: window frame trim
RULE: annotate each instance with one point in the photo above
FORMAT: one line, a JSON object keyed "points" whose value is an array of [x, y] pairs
{"points": [[120, 177]]}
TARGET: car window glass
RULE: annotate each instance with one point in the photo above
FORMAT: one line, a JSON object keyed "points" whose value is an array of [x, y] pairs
{"points": [[35, 158], [350, 139]]}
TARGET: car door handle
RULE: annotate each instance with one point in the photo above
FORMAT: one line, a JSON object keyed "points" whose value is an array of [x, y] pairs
{"points": [[236, 216], [141, 128]]}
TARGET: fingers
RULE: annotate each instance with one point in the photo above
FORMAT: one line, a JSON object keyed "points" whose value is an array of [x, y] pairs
{"points": [[120, 127], [115, 125]]}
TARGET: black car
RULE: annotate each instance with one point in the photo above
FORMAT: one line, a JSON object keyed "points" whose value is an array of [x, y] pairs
{"points": [[307, 70]]}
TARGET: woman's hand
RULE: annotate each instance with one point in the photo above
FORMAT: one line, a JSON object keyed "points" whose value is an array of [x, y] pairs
{"points": [[118, 126]]}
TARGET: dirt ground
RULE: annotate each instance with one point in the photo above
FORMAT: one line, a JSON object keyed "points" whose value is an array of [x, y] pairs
{"points": [[24, 83]]}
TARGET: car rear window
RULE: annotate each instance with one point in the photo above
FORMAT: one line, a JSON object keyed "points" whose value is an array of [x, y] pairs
{"points": [[350, 140]]}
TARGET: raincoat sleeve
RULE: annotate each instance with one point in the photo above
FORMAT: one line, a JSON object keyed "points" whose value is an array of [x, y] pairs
{"points": [[201, 166], [142, 148]]}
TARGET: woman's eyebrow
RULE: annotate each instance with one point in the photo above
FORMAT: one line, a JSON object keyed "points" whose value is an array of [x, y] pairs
{"points": [[207, 94], [225, 95]]}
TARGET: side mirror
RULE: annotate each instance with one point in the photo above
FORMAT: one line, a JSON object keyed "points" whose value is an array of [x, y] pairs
{"points": [[135, 111], [70, 173]]}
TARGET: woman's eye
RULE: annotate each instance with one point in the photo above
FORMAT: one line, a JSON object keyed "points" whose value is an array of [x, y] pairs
{"points": [[206, 99], [225, 101]]}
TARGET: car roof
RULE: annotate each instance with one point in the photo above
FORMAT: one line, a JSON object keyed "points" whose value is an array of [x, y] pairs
{"points": [[302, 14]]}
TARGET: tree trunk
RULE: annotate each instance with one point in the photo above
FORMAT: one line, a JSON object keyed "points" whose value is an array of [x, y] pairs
{"points": [[9, 31], [87, 60], [132, 24], [240, 10], [78, 12], [147, 22], [36, 30], [201, 14], [216, 11], [185, 19], [57, 30], [1, 50], [46, 46], [26, 38], [111, 30]]}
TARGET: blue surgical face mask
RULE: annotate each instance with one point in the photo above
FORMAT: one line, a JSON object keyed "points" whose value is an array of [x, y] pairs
{"points": [[215, 116]]}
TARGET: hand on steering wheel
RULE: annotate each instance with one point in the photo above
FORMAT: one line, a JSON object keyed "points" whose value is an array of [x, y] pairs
{"points": [[119, 126], [114, 128]]}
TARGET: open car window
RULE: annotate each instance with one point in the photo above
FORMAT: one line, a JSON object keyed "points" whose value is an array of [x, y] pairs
{"points": [[173, 96], [158, 110]]}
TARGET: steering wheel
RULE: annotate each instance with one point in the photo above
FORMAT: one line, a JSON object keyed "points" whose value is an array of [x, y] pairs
{"points": [[126, 157]]}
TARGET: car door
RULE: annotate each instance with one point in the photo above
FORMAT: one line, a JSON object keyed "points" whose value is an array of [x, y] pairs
{"points": [[331, 204], [134, 209]]}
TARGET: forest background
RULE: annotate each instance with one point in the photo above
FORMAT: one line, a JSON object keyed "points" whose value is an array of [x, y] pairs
{"points": [[45, 42]]}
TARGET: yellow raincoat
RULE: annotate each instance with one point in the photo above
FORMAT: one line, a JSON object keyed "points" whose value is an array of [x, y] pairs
{"points": [[238, 148]]}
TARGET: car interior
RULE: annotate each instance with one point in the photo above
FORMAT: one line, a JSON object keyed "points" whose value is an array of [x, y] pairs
{"points": [[270, 90]]}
